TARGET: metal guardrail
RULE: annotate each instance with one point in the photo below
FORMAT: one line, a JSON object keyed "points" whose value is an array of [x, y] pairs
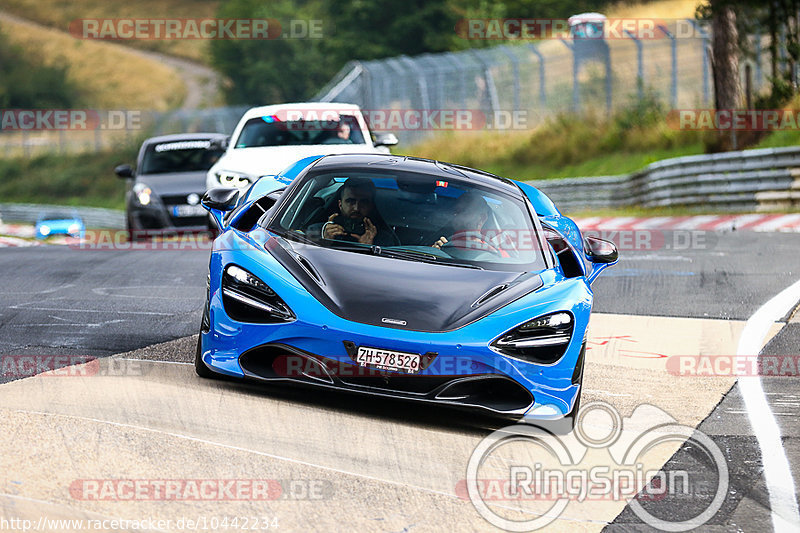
{"points": [[93, 217], [757, 180]]}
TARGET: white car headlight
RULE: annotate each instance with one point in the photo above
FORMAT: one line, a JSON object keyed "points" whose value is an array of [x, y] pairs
{"points": [[44, 230], [227, 178]]}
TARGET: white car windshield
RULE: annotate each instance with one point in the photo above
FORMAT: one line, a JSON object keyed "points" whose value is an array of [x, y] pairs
{"points": [[272, 131]]}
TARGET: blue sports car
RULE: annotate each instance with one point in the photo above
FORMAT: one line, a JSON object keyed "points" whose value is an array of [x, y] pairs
{"points": [[401, 277], [59, 222]]}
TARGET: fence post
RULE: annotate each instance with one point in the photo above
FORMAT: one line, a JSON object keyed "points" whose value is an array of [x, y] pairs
{"points": [[609, 89], [421, 81], [673, 91], [704, 47], [576, 95], [515, 69], [639, 65], [758, 60], [367, 99], [462, 94], [542, 84], [491, 90]]}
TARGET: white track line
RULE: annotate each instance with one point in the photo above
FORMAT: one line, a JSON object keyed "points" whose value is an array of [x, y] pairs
{"points": [[777, 473]]}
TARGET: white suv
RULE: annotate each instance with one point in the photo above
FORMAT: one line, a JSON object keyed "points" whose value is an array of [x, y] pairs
{"points": [[270, 138]]}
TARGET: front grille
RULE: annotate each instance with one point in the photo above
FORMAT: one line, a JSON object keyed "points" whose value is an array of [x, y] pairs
{"points": [[182, 222], [494, 392], [399, 383], [176, 199]]}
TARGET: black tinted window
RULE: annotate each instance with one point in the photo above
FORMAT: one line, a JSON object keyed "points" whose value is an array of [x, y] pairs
{"points": [[179, 156]]}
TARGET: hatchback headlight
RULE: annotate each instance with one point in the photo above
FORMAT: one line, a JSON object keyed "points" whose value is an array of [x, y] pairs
{"points": [[143, 193]]}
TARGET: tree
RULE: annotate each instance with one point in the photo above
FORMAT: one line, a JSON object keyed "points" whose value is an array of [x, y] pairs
{"points": [[725, 55]]}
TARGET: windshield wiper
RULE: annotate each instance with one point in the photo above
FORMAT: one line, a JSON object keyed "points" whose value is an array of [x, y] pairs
{"points": [[350, 246], [425, 257]]}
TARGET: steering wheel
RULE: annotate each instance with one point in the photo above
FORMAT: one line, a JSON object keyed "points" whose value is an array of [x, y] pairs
{"points": [[504, 241], [479, 246]]}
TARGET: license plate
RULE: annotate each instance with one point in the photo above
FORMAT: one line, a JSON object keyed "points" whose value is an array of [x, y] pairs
{"points": [[188, 210], [388, 360]]}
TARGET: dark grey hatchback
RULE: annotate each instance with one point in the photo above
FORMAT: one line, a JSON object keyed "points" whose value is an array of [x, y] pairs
{"points": [[164, 191]]}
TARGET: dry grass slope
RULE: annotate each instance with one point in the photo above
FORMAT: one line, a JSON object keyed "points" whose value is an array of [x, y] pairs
{"points": [[59, 13], [110, 76]]}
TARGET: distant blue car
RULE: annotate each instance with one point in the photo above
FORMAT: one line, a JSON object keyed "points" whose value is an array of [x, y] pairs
{"points": [[59, 222], [401, 277]]}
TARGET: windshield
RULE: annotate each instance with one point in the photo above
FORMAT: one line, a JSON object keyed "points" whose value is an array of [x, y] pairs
{"points": [[411, 216], [272, 131], [58, 215], [179, 156]]}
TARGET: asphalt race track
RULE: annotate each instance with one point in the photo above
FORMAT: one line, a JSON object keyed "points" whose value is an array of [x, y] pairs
{"points": [[332, 461]]}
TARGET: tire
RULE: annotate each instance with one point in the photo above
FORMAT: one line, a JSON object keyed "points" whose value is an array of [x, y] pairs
{"points": [[200, 367]]}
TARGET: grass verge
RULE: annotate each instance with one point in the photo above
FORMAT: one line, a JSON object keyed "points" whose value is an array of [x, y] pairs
{"points": [[82, 179]]}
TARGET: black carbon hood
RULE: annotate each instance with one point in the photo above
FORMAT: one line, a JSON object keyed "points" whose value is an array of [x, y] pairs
{"points": [[386, 292]]}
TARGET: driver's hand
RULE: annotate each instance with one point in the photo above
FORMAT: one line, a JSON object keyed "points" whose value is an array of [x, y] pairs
{"points": [[331, 231], [441, 242], [369, 233]]}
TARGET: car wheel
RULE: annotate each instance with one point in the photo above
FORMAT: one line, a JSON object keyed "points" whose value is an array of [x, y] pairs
{"points": [[200, 367], [133, 233]]}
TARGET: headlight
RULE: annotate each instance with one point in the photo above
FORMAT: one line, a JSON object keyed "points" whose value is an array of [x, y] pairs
{"points": [[44, 230], [233, 179], [248, 299], [541, 340], [74, 229], [143, 193]]}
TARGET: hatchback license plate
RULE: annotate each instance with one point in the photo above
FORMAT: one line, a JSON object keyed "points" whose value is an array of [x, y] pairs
{"points": [[188, 210]]}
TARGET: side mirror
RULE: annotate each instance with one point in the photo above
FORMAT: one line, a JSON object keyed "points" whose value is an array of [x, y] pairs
{"points": [[600, 251], [385, 139], [220, 199], [220, 144], [124, 171]]}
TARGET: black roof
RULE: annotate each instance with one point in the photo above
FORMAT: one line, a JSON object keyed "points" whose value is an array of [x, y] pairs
{"points": [[446, 171], [184, 137]]}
